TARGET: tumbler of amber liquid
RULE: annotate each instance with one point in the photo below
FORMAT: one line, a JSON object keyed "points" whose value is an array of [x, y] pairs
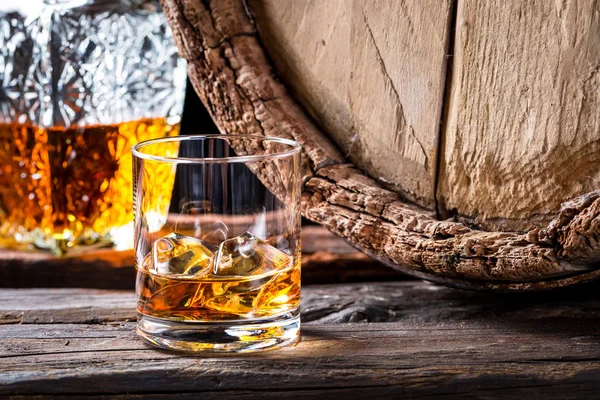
{"points": [[217, 242]]}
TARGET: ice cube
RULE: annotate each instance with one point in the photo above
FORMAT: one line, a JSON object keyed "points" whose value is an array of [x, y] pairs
{"points": [[188, 220], [177, 254], [247, 255], [216, 232]]}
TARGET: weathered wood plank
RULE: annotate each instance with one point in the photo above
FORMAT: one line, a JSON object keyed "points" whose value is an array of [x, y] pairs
{"points": [[575, 391], [372, 73], [420, 301], [523, 131], [326, 259], [360, 302], [412, 359], [443, 342], [59, 306], [571, 390]]}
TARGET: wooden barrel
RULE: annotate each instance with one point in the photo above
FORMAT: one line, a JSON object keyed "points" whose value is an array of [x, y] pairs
{"points": [[456, 141]]}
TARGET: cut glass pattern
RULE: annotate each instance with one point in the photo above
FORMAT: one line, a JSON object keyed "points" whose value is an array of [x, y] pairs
{"points": [[87, 63]]}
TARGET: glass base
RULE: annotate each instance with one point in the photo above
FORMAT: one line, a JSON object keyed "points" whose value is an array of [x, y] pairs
{"points": [[221, 337]]}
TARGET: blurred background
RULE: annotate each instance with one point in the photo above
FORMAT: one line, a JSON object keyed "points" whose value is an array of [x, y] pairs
{"points": [[195, 119]]}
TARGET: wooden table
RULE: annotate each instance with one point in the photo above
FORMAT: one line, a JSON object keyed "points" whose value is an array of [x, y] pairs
{"points": [[359, 340]]}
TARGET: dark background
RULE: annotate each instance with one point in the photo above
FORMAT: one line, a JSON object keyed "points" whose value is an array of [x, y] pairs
{"points": [[195, 119]]}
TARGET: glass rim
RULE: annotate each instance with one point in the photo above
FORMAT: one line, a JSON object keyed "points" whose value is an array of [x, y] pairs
{"points": [[137, 152]]}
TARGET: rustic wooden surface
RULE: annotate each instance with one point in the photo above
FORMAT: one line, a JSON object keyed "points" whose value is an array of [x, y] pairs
{"points": [[523, 130], [409, 339], [372, 73], [325, 259], [232, 75]]}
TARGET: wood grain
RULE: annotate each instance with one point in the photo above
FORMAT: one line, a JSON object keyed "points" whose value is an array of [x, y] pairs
{"points": [[433, 359], [443, 342], [523, 131], [323, 304], [372, 73], [235, 80], [412, 240]]}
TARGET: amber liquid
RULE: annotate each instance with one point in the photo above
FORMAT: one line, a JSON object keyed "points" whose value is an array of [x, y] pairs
{"points": [[217, 299], [60, 188]]}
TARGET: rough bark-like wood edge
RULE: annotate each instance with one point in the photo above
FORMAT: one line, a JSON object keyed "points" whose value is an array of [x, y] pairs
{"points": [[236, 82]]}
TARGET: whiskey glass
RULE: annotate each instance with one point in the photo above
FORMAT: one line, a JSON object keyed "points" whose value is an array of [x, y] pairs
{"points": [[81, 81], [217, 242]]}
